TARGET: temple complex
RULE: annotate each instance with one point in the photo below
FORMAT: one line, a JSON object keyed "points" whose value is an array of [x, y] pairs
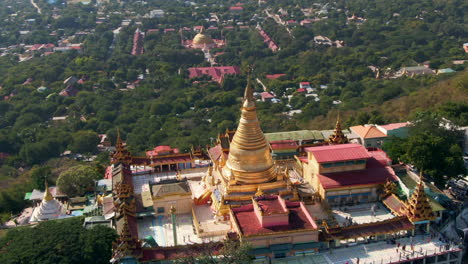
{"points": [[330, 195], [248, 168], [48, 209]]}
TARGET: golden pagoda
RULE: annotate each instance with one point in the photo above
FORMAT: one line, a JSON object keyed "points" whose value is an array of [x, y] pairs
{"points": [[338, 137], [249, 166], [417, 207], [202, 39]]}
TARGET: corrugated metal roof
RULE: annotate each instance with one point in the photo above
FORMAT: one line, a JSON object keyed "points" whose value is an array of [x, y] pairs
{"points": [[295, 135], [338, 152]]}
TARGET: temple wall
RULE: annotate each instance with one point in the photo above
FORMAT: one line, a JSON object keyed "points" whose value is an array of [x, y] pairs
{"points": [[274, 220], [183, 204], [342, 168], [289, 238], [352, 194]]}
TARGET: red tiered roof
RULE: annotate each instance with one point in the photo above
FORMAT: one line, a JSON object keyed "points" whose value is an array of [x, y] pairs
{"points": [[216, 73], [271, 206], [375, 173], [341, 152], [166, 149], [299, 219], [283, 144]]}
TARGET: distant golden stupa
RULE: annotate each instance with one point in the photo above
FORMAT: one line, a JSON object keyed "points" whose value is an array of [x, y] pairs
{"points": [[202, 40]]}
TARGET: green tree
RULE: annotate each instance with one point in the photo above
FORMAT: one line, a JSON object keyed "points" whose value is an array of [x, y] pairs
{"points": [[85, 141], [432, 146], [78, 179], [40, 174], [63, 241]]}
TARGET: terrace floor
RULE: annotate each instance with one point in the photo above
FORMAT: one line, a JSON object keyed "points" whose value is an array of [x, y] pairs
{"points": [[362, 213]]}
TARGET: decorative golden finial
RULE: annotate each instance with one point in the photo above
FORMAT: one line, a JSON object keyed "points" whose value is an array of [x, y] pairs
{"points": [[121, 154], [172, 210], [259, 192], [249, 101], [47, 195], [338, 136]]}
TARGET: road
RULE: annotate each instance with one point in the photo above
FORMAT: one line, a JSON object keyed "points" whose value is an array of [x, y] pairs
{"points": [[279, 21], [36, 6]]}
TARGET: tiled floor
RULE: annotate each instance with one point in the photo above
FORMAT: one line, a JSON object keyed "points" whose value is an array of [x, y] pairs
{"points": [[160, 228], [381, 252], [362, 213], [311, 259], [374, 253]]}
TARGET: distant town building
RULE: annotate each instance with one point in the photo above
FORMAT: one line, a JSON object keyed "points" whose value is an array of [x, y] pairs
{"points": [[216, 73], [156, 13], [267, 40], [138, 38], [414, 70]]}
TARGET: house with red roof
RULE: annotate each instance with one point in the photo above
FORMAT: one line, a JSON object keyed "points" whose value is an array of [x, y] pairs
{"points": [[162, 151], [395, 129], [216, 73], [284, 149], [369, 135], [275, 227], [346, 173], [267, 96], [274, 76], [236, 9]]}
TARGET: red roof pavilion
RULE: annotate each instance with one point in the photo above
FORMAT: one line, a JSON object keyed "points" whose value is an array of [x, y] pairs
{"points": [[343, 152]]}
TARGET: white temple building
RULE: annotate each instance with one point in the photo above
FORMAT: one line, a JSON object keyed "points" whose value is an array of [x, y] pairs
{"points": [[48, 209]]}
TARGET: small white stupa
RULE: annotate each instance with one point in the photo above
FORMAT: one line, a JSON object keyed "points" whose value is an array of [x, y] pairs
{"points": [[48, 209]]}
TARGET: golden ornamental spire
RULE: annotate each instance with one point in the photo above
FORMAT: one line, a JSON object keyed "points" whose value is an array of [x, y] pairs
{"points": [[417, 207], [126, 245], [47, 195], [249, 159], [121, 154], [338, 137]]}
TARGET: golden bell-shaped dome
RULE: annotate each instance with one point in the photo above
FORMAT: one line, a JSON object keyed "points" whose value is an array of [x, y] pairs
{"points": [[249, 159], [202, 38]]}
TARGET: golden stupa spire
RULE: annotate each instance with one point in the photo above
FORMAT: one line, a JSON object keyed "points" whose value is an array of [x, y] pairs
{"points": [[250, 160], [417, 207], [47, 195], [338, 136]]}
